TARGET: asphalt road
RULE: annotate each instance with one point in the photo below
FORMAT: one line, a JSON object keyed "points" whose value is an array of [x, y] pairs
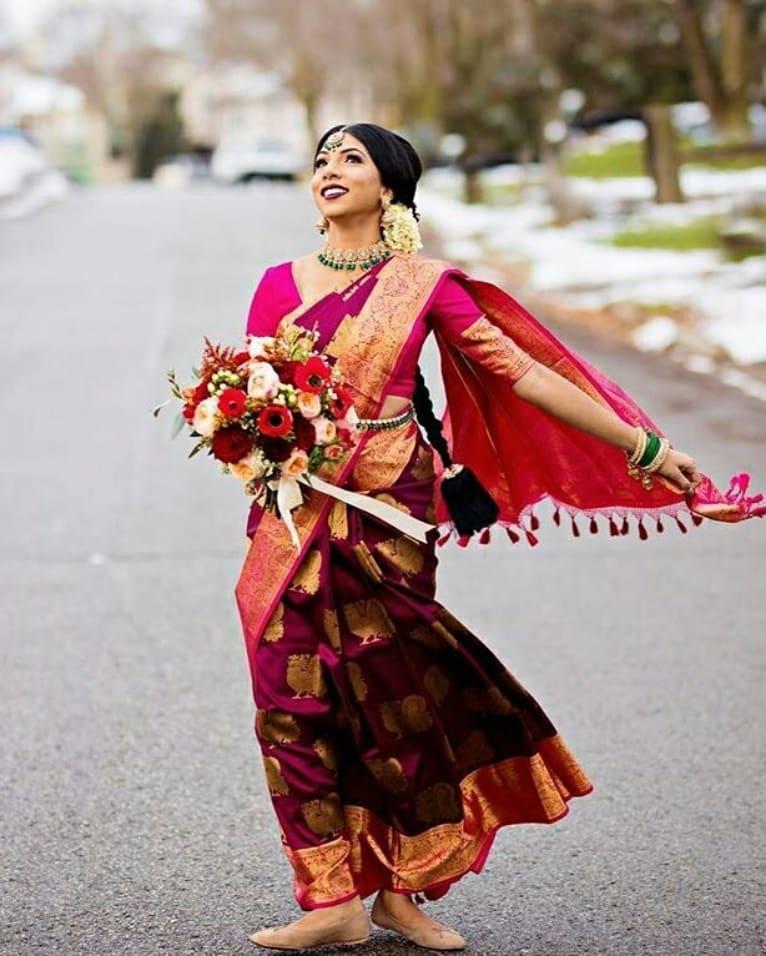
{"points": [[134, 817]]}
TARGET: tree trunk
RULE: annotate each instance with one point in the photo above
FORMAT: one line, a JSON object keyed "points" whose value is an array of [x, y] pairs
{"points": [[662, 153], [734, 68]]}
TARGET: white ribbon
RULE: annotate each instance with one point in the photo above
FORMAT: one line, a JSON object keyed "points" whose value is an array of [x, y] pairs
{"points": [[289, 497]]}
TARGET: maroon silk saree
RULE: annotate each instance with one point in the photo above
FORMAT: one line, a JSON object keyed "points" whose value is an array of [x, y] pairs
{"points": [[395, 743]]}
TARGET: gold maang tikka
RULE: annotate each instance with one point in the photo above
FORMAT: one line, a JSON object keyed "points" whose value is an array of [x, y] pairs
{"points": [[334, 141]]}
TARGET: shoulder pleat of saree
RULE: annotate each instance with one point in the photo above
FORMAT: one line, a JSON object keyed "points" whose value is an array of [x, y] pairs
{"points": [[524, 455]]}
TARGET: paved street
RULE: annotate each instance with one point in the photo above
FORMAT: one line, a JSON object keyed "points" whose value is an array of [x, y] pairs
{"points": [[134, 816]]}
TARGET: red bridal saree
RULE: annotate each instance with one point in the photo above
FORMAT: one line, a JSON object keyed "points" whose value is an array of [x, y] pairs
{"points": [[395, 743]]}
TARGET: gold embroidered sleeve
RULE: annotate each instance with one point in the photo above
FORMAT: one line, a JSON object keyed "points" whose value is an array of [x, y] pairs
{"points": [[490, 347]]}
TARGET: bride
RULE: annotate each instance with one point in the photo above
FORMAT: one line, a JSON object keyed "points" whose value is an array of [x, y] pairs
{"points": [[395, 743]]}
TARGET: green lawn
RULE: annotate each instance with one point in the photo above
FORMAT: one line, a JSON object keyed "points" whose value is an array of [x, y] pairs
{"points": [[627, 159], [701, 234]]}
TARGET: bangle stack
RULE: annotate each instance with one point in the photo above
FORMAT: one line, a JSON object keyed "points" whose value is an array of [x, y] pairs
{"points": [[648, 454]]}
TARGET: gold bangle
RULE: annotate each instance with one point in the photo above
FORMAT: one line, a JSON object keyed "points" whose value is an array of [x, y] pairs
{"points": [[640, 446]]}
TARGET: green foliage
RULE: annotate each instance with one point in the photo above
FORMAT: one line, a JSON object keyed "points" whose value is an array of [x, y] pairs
{"points": [[620, 159]]}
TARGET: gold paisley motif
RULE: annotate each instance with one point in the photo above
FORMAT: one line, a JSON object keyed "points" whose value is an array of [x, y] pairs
{"points": [[383, 458], [277, 785], [445, 633], [368, 620], [493, 349], [275, 629], [326, 753], [388, 773], [306, 578], [356, 678], [323, 815], [390, 500], [423, 467], [276, 726], [438, 802], [331, 627], [475, 748], [430, 514], [367, 562], [437, 683], [304, 675], [403, 553], [424, 634], [488, 700], [338, 521], [409, 715]]}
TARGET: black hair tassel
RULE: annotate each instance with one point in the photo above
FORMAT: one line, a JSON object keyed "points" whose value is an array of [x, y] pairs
{"points": [[470, 505]]}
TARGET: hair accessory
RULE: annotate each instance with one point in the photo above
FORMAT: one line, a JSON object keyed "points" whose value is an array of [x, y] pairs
{"points": [[399, 227], [333, 141]]}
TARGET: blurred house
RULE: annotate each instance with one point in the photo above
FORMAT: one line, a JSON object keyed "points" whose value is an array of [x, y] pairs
{"points": [[73, 137], [240, 103]]}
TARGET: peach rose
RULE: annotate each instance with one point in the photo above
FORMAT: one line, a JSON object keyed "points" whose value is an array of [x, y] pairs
{"points": [[249, 467], [296, 464], [263, 383], [325, 430], [309, 405]]}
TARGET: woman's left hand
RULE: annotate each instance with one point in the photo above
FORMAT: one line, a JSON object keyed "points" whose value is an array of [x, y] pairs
{"points": [[681, 470]]}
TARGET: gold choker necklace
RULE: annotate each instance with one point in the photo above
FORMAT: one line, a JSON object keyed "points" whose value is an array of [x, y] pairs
{"points": [[351, 258]]}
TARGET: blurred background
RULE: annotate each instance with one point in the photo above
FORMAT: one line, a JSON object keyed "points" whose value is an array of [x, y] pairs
{"points": [[608, 156]]}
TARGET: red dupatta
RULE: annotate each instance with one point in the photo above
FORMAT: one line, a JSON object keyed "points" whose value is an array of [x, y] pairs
{"points": [[524, 455]]}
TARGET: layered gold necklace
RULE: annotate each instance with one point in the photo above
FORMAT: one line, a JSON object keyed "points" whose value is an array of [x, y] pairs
{"points": [[364, 258]]}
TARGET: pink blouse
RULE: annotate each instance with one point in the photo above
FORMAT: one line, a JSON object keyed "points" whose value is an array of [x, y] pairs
{"points": [[452, 311]]}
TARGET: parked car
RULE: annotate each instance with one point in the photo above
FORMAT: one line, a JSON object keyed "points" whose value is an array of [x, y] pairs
{"points": [[21, 160], [179, 171], [241, 160]]}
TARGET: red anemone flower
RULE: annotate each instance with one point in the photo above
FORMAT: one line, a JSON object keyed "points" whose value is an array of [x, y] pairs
{"points": [[275, 420], [312, 375], [305, 433], [340, 405]]}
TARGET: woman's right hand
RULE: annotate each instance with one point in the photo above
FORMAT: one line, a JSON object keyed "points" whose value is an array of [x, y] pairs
{"points": [[681, 471]]}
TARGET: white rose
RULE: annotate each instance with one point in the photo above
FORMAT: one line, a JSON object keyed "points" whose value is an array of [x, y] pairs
{"points": [[325, 430], [206, 417], [263, 382], [259, 345]]}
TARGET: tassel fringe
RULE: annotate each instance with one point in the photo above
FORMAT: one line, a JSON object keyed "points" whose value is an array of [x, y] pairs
{"points": [[735, 493]]}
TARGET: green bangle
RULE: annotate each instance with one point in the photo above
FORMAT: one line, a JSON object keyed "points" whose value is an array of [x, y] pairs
{"points": [[650, 452]]}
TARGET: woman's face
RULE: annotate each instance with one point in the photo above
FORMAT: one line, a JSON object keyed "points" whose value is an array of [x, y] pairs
{"points": [[351, 167]]}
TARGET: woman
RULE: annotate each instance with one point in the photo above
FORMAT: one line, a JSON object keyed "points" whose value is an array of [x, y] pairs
{"points": [[395, 743]]}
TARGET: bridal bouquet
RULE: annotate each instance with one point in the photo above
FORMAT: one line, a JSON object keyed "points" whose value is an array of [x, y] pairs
{"points": [[272, 414]]}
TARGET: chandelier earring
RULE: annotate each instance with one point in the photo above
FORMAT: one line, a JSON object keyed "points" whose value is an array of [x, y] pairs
{"points": [[322, 224], [399, 227]]}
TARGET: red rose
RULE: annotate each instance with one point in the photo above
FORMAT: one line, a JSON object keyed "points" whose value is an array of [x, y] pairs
{"points": [[286, 371], [232, 402], [231, 444], [275, 420], [240, 358], [188, 412], [305, 433], [340, 405], [275, 449], [312, 375], [201, 392]]}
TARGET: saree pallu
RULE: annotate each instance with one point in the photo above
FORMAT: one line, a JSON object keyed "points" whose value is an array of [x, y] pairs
{"points": [[395, 743]]}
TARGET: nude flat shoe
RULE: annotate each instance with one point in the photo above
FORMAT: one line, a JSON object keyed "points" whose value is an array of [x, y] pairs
{"points": [[434, 936], [348, 931]]}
